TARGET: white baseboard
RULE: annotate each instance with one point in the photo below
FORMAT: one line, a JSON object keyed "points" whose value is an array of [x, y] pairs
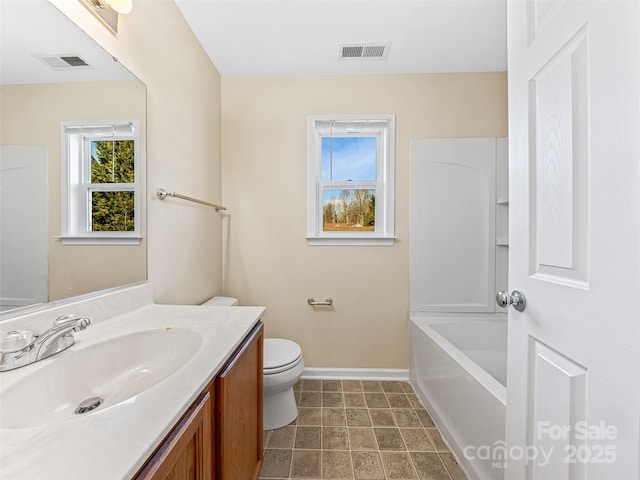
{"points": [[356, 373]]}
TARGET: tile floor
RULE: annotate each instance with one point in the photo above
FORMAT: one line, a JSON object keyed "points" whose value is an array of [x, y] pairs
{"points": [[364, 430]]}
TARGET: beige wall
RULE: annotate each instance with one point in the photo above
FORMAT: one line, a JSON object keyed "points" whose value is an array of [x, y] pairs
{"points": [[31, 115], [183, 142], [266, 258], [264, 130]]}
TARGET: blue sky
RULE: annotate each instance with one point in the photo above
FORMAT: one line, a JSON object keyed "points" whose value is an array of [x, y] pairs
{"points": [[353, 158]]}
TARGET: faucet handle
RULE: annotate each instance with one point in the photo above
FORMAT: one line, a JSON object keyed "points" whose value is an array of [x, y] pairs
{"points": [[83, 322], [63, 319], [16, 340]]}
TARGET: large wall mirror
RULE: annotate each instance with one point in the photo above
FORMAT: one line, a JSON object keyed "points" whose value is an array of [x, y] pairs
{"points": [[52, 72]]}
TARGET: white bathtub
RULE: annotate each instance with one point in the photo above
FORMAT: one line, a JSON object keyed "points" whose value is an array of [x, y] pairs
{"points": [[458, 369]]}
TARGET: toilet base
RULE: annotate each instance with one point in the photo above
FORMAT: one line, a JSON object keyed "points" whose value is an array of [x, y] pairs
{"points": [[280, 409]]}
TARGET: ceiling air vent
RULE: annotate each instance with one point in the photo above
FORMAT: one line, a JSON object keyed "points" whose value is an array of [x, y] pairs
{"points": [[75, 61], [59, 62], [351, 52], [365, 51]]}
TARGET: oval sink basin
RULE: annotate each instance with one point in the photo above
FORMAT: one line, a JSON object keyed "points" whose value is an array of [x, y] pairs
{"points": [[115, 370]]}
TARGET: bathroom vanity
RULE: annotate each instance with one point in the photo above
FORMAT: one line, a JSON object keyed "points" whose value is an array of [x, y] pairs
{"points": [[181, 391], [220, 436]]}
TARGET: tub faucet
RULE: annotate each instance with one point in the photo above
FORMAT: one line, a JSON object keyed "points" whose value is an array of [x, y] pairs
{"points": [[22, 347]]}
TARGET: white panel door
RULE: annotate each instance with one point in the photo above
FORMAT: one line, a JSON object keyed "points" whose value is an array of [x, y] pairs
{"points": [[452, 249], [573, 381]]}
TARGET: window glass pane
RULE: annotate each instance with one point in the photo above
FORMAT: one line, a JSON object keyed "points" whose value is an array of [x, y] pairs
{"points": [[112, 211], [349, 158], [349, 210], [112, 161]]}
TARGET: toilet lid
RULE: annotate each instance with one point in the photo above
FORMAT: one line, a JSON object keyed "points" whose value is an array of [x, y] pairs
{"points": [[279, 352]]}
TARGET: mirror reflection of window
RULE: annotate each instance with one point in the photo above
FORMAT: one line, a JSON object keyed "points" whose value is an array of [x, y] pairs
{"points": [[101, 188], [113, 162]]}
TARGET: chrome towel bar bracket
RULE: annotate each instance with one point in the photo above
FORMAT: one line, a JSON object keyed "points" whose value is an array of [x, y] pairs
{"points": [[328, 302]]}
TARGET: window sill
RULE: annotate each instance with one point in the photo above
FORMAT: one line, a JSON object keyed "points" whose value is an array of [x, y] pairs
{"points": [[358, 241], [101, 240]]}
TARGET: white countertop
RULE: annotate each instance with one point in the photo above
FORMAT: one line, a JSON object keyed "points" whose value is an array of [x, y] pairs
{"points": [[114, 442]]}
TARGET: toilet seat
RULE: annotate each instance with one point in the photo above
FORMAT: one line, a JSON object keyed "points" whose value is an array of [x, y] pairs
{"points": [[280, 355]]}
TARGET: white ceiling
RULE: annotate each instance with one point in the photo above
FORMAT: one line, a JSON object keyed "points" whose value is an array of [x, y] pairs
{"points": [[36, 27], [300, 37]]}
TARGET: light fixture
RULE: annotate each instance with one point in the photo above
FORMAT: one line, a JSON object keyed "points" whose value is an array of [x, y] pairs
{"points": [[120, 6], [107, 11]]}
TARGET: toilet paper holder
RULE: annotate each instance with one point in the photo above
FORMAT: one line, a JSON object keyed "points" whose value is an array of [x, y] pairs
{"points": [[328, 302]]}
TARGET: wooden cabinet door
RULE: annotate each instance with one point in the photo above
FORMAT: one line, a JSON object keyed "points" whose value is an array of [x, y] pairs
{"points": [[239, 411], [186, 454]]}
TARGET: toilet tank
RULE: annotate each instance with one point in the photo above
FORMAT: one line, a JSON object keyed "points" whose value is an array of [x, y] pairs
{"points": [[221, 302]]}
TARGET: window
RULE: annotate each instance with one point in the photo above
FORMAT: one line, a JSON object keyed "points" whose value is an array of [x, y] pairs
{"points": [[350, 190], [101, 183]]}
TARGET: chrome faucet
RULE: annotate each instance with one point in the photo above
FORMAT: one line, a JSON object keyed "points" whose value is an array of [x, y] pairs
{"points": [[22, 347]]}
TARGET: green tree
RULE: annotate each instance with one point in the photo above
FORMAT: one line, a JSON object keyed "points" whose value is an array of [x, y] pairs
{"points": [[112, 162]]}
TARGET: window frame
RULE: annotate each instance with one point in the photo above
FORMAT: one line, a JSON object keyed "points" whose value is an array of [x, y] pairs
{"points": [[383, 185], [77, 187]]}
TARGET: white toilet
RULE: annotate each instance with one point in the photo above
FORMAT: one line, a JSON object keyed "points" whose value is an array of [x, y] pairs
{"points": [[283, 367]]}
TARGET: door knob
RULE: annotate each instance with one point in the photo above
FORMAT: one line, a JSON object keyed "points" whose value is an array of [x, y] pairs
{"points": [[517, 299]]}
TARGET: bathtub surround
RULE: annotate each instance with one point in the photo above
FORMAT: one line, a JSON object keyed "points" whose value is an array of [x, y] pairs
{"points": [[458, 260], [459, 224], [266, 257], [23, 225]]}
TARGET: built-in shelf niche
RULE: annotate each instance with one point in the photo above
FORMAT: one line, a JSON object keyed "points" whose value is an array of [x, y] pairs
{"points": [[502, 214], [502, 171], [502, 224]]}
